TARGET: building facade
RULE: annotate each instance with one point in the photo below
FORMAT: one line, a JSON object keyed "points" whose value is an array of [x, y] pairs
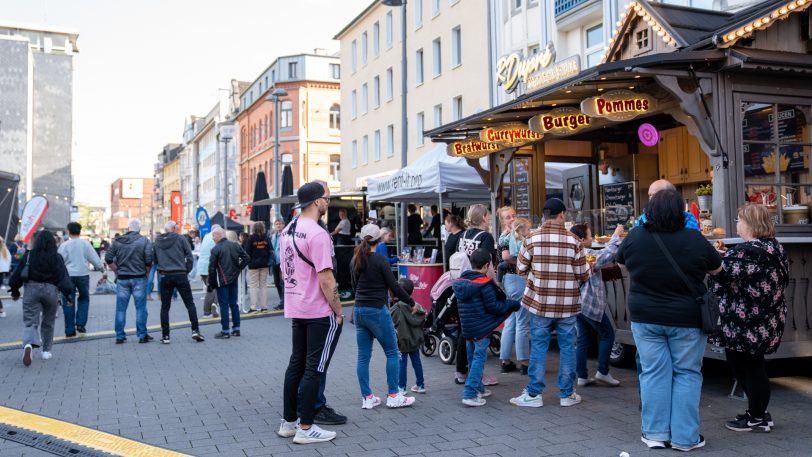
{"points": [[309, 123], [131, 198], [448, 78], [37, 115], [165, 181]]}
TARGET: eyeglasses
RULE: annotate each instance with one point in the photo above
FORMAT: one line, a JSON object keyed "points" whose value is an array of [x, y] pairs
{"points": [[326, 199]]}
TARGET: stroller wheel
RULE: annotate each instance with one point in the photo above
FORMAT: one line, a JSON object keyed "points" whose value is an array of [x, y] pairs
{"points": [[429, 345], [447, 350], [495, 343]]}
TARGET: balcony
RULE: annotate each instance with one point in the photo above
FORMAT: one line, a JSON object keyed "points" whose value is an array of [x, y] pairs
{"points": [[564, 6]]}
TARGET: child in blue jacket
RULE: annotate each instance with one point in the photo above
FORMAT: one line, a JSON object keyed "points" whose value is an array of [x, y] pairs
{"points": [[482, 307]]}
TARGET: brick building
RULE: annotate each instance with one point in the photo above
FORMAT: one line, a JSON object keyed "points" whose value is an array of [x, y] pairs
{"points": [[131, 198]]}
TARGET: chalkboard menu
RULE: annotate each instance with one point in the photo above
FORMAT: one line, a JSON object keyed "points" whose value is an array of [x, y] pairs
{"points": [[618, 204]]}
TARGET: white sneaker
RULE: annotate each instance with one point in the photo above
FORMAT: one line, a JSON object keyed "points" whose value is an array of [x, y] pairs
{"points": [[653, 444], [572, 400], [421, 389], [207, 316], [2, 314], [46, 355], [314, 434], [288, 429], [585, 381], [370, 402], [485, 394], [402, 390], [478, 401], [489, 380], [606, 379], [527, 400], [399, 401]]}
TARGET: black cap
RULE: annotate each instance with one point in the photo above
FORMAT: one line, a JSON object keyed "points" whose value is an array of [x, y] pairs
{"points": [[308, 194], [554, 207]]}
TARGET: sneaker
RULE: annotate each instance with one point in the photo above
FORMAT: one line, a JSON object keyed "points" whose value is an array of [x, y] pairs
{"points": [[165, 339], [288, 429], [148, 338], [145, 339], [207, 316], [399, 401], [572, 400], [508, 367], [523, 370], [402, 390], [235, 333], [478, 401], [653, 444], [419, 389], [370, 402], [46, 355], [198, 337], [27, 354], [527, 400], [489, 380], [767, 417], [585, 382], [314, 434], [70, 335], [459, 378], [251, 310], [81, 329], [120, 340], [698, 445], [222, 336], [487, 393], [2, 314], [747, 423], [606, 379], [329, 416], [279, 308]]}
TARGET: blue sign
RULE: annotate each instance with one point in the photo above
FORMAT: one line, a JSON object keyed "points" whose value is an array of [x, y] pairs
{"points": [[203, 221]]}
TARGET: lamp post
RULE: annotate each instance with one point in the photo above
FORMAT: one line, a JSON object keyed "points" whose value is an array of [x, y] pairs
{"points": [[225, 135], [403, 112], [275, 97]]}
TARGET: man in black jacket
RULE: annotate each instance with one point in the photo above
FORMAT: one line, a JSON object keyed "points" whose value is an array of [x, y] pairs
{"points": [[227, 261], [130, 257], [174, 259]]}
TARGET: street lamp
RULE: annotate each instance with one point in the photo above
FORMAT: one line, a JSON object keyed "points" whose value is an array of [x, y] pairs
{"points": [[275, 97], [226, 135]]}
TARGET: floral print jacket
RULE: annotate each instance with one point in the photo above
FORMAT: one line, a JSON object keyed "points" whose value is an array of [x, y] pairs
{"points": [[750, 289]]}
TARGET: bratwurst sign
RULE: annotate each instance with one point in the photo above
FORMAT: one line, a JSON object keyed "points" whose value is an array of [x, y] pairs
{"points": [[472, 148], [618, 105]]}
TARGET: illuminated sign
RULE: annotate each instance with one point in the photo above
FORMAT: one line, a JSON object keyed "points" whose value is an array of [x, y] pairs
{"points": [[509, 135], [537, 71], [618, 105], [472, 149], [560, 121]]}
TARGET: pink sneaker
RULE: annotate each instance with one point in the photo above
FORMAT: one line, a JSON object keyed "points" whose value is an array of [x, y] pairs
{"points": [[489, 380]]}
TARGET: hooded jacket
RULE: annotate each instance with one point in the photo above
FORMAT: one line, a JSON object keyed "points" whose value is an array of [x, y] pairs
{"points": [[172, 254], [226, 262], [132, 254], [408, 326], [258, 248], [482, 305]]}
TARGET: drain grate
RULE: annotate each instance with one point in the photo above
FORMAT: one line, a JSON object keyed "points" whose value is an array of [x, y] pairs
{"points": [[47, 443]]}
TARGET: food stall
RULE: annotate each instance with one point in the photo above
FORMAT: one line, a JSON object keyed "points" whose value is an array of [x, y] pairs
{"points": [[694, 96]]}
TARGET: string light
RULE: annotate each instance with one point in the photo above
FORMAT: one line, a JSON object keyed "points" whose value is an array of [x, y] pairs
{"points": [[761, 23]]}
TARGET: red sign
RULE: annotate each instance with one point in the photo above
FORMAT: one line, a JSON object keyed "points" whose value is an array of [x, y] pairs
{"points": [[248, 210], [232, 213], [176, 203]]}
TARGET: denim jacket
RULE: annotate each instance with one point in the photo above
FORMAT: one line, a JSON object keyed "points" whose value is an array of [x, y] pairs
{"points": [[593, 292]]}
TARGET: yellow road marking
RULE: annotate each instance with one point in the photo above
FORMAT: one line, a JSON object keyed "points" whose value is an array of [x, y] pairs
{"points": [[83, 436]]}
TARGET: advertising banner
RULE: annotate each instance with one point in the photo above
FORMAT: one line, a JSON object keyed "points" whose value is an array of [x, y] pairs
{"points": [[33, 213], [203, 221], [176, 203]]}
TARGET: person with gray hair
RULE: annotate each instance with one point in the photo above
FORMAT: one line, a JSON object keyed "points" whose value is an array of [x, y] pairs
{"points": [[130, 257], [206, 245], [225, 265], [174, 258]]}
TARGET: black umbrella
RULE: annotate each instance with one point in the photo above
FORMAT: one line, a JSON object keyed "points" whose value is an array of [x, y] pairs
{"points": [[261, 213], [287, 189], [228, 225]]}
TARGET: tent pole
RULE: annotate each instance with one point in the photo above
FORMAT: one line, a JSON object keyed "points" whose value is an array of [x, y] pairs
{"points": [[493, 184], [441, 243], [397, 230]]}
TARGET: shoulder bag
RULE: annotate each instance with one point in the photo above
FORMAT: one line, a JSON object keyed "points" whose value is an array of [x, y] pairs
{"points": [[707, 302]]}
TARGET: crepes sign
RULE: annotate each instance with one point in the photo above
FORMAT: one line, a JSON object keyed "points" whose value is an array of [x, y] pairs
{"points": [[560, 121], [509, 135], [472, 148], [618, 105]]}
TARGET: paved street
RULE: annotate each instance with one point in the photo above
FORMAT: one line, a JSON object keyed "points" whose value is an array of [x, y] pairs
{"points": [[224, 398]]}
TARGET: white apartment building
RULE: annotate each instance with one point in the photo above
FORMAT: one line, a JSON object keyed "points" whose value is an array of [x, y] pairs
{"points": [[448, 78]]}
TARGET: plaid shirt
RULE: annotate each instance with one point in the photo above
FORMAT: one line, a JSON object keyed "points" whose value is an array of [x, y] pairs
{"points": [[593, 292], [555, 264]]}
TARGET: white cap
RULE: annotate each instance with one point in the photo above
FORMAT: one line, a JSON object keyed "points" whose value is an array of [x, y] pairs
{"points": [[371, 232]]}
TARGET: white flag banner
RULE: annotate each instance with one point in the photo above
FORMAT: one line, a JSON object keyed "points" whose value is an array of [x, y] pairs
{"points": [[33, 212]]}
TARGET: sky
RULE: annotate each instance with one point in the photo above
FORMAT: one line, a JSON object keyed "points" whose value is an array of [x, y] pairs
{"points": [[144, 65]]}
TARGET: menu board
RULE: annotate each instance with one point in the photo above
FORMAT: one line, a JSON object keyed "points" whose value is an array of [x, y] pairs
{"points": [[618, 204], [757, 124]]}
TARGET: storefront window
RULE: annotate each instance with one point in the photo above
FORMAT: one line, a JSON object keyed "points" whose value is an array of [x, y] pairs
{"points": [[776, 145], [516, 186]]}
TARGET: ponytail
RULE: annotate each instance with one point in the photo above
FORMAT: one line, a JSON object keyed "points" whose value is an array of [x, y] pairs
{"points": [[360, 256]]}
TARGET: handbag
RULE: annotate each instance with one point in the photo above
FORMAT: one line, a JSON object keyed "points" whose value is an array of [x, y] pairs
{"points": [[708, 303], [24, 271]]}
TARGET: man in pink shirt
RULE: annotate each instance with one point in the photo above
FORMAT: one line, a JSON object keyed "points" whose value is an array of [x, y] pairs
{"points": [[312, 303]]}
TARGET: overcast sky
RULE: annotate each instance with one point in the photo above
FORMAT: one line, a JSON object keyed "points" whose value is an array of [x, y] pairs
{"points": [[144, 65]]}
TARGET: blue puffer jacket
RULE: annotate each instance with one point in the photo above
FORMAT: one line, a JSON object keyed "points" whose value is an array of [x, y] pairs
{"points": [[482, 305]]}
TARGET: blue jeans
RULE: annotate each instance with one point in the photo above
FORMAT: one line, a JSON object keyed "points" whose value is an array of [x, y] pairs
{"points": [[477, 355], [670, 381], [517, 326], [606, 337], [375, 323], [227, 298], [541, 328], [77, 314], [137, 288], [416, 364]]}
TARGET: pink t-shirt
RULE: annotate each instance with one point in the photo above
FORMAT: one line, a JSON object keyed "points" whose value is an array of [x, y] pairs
{"points": [[303, 296]]}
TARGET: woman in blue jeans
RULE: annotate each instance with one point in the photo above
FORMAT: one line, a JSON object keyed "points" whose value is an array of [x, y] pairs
{"points": [[372, 280], [666, 320], [517, 325]]}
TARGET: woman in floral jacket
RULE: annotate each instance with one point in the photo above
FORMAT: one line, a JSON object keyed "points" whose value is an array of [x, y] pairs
{"points": [[752, 308]]}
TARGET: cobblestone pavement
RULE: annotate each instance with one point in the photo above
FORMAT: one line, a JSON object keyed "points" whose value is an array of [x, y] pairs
{"points": [[225, 398]]}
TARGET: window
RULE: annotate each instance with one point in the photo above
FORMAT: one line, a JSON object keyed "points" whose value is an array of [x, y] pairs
{"points": [[418, 13], [335, 116], [389, 31], [437, 57], [268, 125], [533, 50], [335, 167], [419, 127], [354, 157], [354, 104], [273, 76], [418, 67], [438, 115], [260, 87], [376, 151], [365, 150], [594, 45], [335, 71], [364, 46], [456, 108], [435, 8], [515, 6], [390, 84], [642, 41], [292, 67], [376, 39], [353, 55], [376, 91], [286, 118], [390, 140], [456, 46], [364, 98]]}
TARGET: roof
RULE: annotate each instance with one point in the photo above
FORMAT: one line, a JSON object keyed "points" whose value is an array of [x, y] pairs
{"points": [[772, 60], [356, 19], [73, 34], [757, 17], [690, 23]]}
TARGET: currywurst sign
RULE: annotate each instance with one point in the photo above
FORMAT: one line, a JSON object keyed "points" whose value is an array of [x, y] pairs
{"points": [[537, 71], [509, 135]]}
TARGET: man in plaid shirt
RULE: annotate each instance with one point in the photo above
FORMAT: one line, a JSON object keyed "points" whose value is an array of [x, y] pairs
{"points": [[555, 265]]}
